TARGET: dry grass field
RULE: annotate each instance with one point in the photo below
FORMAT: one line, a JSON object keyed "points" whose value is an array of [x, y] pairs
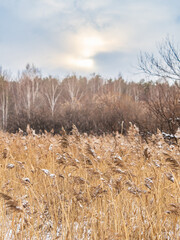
{"points": [[79, 187]]}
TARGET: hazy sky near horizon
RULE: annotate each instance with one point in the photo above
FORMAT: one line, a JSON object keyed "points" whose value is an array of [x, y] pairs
{"points": [[84, 36]]}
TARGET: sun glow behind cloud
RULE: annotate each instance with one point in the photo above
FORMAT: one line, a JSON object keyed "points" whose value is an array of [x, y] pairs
{"points": [[86, 45], [91, 45], [86, 63], [82, 47]]}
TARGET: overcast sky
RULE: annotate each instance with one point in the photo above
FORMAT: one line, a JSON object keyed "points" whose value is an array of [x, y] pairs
{"points": [[84, 36]]}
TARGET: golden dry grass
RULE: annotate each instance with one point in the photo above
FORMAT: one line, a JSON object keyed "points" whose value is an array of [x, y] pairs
{"points": [[87, 187]]}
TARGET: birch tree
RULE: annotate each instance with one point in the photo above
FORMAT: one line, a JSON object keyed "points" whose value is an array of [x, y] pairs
{"points": [[4, 99], [73, 93], [51, 93], [29, 85]]}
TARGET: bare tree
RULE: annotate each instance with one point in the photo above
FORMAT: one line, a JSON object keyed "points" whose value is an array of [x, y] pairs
{"points": [[29, 88], [162, 101], [166, 65], [51, 92], [4, 98], [95, 84], [73, 93]]}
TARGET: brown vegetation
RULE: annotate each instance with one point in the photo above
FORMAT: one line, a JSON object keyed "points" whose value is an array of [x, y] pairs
{"points": [[89, 187], [93, 105]]}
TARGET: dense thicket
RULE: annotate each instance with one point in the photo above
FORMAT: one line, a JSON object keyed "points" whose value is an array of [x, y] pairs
{"points": [[94, 105]]}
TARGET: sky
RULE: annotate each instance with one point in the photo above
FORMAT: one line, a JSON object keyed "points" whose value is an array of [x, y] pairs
{"points": [[84, 36]]}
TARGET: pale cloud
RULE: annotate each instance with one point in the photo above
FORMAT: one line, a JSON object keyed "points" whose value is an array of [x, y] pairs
{"points": [[35, 10], [83, 36], [93, 4], [83, 45]]}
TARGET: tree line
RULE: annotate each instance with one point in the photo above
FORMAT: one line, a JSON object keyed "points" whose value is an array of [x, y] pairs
{"points": [[94, 105]]}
